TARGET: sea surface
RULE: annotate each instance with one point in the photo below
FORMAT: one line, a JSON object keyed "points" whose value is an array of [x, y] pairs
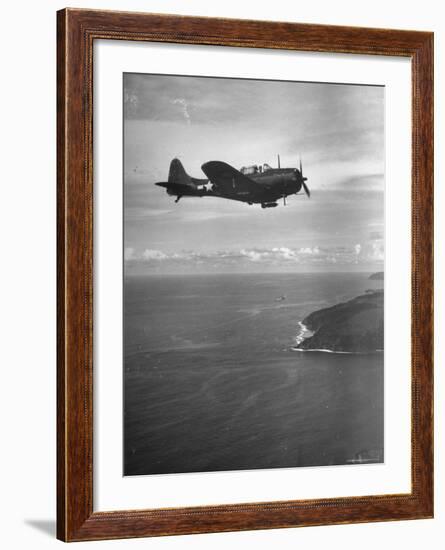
{"points": [[212, 380]]}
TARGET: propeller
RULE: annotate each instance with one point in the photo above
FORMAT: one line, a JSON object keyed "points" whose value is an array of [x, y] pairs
{"points": [[305, 187]]}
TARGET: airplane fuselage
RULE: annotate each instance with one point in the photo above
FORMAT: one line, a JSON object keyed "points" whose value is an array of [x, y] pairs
{"points": [[252, 185], [277, 183], [274, 184]]}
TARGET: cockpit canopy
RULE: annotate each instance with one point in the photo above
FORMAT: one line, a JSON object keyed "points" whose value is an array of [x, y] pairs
{"points": [[248, 170], [255, 169]]}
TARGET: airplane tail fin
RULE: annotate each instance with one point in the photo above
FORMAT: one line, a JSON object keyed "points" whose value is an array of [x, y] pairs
{"points": [[177, 174]]}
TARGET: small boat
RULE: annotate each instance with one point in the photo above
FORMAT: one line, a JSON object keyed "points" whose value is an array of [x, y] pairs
{"points": [[280, 298]]}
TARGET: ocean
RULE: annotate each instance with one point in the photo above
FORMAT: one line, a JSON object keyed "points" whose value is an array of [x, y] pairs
{"points": [[212, 381]]}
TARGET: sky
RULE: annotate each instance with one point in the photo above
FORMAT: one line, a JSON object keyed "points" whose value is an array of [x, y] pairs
{"points": [[338, 132]]}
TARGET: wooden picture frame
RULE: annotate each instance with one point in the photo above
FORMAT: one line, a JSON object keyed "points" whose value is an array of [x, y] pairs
{"points": [[77, 31]]}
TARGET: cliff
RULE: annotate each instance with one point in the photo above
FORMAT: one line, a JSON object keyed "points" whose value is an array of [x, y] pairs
{"points": [[352, 326], [379, 276]]}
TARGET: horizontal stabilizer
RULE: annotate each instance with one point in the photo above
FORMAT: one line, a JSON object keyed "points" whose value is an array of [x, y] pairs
{"points": [[182, 189]]}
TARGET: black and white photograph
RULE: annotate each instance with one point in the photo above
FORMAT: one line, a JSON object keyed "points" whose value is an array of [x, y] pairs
{"points": [[223, 275], [253, 268]]}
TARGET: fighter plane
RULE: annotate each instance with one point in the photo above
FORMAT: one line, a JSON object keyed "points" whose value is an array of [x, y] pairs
{"points": [[251, 184]]}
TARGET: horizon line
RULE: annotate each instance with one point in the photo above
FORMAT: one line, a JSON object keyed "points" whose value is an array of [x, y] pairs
{"points": [[251, 273]]}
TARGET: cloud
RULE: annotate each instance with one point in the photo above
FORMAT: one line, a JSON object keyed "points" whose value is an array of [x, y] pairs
{"points": [[285, 253], [130, 103], [309, 250], [361, 183], [364, 181], [130, 254], [252, 255], [375, 235], [185, 112], [276, 256], [197, 216], [149, 254], [273, 255], [373, 250], [376, 251], [132, 214]]}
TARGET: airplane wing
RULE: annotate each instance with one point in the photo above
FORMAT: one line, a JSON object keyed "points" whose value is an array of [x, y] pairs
{"points": [[229, 179]]}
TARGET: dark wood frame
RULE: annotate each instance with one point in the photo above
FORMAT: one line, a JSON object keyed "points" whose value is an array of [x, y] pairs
{"points": [[76, 32]]}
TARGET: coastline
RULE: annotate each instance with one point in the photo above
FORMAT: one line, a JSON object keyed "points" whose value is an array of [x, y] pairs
{"points": [[356, 324], [338, 352], [304, 333]]}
